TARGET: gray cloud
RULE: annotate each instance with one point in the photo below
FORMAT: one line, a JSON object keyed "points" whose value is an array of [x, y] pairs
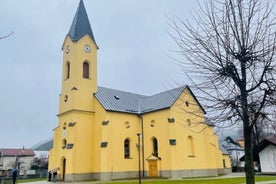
{"points": [[133, 43]]}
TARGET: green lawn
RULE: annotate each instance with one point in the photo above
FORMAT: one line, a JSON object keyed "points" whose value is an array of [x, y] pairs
{"points": [[198, 181], [30, 180]]}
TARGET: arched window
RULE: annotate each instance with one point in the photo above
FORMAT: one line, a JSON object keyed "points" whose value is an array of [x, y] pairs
{"points": [[64, 143], [191, 148], [189, 123], [127, 148], [85, 73], [67, 70], [155, 147]]}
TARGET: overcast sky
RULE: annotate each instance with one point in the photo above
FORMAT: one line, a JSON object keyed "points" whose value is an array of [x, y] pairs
{"points": [[134, 49]]}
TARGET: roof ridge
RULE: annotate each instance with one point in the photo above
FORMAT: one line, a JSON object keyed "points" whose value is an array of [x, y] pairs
{"points": [[123, 91], [147, 96], [170, 90], [17, 151]]}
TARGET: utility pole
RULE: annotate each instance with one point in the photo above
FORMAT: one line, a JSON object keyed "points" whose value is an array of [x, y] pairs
{"points": [[139, 156]]}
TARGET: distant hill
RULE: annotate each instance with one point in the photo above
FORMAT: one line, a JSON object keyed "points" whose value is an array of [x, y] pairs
{"points": [[43, 145]]}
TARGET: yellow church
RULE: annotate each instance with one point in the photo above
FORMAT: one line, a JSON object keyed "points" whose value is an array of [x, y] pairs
{"points": [[105, 134]]}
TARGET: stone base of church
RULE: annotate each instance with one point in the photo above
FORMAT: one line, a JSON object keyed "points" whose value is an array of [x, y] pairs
{"points": [[79, 177], [189, 173], [104, 176], [224, 171], [172, 174]]}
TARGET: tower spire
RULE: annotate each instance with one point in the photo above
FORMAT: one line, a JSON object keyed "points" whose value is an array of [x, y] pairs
{"points": [[81, 25]]}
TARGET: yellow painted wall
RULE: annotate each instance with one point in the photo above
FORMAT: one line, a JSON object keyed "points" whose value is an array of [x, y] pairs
{"points": [[189, 122], [161, 133], [226, 158], [121, 127]]}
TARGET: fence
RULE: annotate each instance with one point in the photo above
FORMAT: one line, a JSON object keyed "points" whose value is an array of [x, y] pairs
{"points": [[7, 177], [5, 180]]}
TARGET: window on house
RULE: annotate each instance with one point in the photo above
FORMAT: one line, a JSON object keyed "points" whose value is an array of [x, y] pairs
{"points": [[191, 149], [155, 147], [67, 70], [85, 70], [127, 148]]}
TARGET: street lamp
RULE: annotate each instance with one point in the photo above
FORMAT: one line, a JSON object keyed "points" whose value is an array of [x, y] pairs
{"points": [[139, 153]]}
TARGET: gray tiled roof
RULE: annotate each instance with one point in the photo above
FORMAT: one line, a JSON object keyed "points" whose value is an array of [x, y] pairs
{"points": [[223, 150], [80, 25], [120, 101], [231, 146]]}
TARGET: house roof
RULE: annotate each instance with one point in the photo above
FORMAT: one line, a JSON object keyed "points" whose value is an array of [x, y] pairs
{"points": [[16, 152], [230, 144], [269, 140], [80, 25], [223, 150], [120, 101], [264, 143]]}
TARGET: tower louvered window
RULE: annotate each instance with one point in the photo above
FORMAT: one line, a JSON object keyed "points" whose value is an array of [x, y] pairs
{"points": [[67, 72], [85, 70]]}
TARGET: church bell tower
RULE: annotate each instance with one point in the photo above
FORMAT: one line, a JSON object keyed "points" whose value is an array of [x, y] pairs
{"points": [[76, 101], [79, 78]]}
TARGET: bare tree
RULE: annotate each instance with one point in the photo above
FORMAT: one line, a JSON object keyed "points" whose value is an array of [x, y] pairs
{"points": [[6, 35], [230, 57]]}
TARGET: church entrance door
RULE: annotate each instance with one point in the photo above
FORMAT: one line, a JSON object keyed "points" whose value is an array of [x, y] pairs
{"points": [[63, 169], [153, 168]]}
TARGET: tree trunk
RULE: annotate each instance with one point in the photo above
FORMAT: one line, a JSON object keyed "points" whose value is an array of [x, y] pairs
{"points": [[247, 130], [249, 166]]}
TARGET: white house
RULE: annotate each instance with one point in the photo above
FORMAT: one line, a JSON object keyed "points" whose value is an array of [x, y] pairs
{"points": [[266, 151], [19, 158], [268, 159]]}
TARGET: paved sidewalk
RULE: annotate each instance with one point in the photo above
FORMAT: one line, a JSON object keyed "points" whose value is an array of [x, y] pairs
{"points": [[266, 182], [102, 182], [62, 182]]}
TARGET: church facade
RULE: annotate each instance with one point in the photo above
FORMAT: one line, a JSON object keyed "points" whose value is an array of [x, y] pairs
{"points": [[107, 134]]}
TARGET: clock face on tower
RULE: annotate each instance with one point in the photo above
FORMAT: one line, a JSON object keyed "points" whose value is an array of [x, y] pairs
{"points": [[87, 48], [67, 49]]}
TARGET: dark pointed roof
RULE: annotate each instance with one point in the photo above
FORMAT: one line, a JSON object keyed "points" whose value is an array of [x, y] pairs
{"points": [[80, 25]]}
